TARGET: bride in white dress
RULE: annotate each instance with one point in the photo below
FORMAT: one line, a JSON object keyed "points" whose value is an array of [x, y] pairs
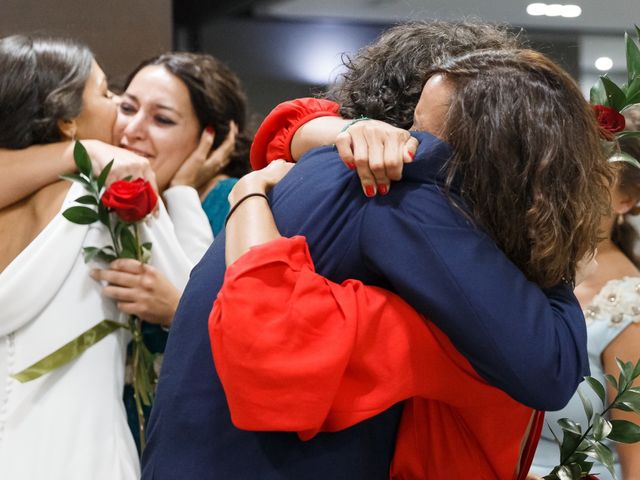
{"points": [[70, 423]]}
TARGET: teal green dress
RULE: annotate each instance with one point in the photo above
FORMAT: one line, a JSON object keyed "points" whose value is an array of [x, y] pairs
{"points": [[216, 207]]}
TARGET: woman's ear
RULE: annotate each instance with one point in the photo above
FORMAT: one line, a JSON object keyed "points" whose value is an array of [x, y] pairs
{"points": [[68, 128], [622, 202]]}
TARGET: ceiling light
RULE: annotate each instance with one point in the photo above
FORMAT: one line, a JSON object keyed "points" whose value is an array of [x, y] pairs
{"points": [[571, 11], [554, 10], [603, 64], [536, 9]]}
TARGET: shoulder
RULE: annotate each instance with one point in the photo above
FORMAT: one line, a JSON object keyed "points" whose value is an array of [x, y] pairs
{"points": [[615, 307]]}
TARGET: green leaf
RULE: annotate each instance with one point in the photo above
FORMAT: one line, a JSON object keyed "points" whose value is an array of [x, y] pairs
{"points": [[636, 369], [603, 454], [89, 253], [69, 351], [633, 92], [633, 58], [615, 97], [601, 427], [128, 242], [126, 253], [82, 160], [624, 157], [75, 177], [102, 178], [87, 200], [569, 425], [624, 431], [612, 381], [622, 135], [630, 400], [80, 215], [570, 442], [569, 472], [597, 95], [103, 215], [586, 404], [597, 387]]}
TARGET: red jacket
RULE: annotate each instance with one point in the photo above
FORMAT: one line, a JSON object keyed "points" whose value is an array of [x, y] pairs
{"points": [[309, 355]]}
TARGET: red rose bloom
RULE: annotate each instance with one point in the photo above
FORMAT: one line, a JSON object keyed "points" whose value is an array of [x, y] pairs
{"points": [[131, 201], [609, 119]]}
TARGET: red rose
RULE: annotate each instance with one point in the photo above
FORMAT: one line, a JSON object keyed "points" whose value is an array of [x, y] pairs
{"points": [[131, 201], [609, 119], [591, 477]]}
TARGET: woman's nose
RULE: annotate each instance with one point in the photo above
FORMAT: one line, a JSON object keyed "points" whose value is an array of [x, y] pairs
{"points": [[136, 127]]}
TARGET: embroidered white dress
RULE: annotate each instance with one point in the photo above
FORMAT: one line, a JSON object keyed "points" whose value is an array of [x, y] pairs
{"points": [[611, 311], [70, 423]]}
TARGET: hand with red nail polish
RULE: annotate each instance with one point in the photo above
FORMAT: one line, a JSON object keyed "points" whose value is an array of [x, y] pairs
{"points": [[378, 151]]}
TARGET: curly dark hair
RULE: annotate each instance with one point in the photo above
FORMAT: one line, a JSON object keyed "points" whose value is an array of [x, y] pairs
{"points": [[528, 158], [217, 97], [385, 79], [41, 82]]}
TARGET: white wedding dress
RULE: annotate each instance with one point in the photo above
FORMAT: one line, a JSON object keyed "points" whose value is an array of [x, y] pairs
{"points": [[69, 424]]}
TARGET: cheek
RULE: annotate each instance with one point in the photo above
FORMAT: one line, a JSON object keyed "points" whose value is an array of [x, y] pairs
{"points": [[119, 126]]}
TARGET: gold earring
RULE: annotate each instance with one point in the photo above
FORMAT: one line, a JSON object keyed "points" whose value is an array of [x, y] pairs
{"points": [[620, 219]]}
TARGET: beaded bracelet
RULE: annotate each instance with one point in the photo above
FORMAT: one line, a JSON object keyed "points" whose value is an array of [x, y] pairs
{"points": [[353, 122], [248, 195]]}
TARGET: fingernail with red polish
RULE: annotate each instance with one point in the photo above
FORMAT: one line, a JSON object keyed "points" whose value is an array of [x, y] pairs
{"points": [[383, 189], [209, 130], [369, 191], [411, 154], [351, 166]]}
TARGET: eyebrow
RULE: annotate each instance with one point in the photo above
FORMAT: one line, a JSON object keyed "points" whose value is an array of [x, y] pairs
{"points": [[159, 106]]}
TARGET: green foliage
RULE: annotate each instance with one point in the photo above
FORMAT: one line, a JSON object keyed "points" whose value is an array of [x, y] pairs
{"points": [[80, 215], [615, 96], [580, 444], [82, 160], [633, 58]]}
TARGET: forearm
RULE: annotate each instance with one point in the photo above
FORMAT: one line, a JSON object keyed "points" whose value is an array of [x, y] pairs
{"points": [[251, 223], [26, 171], [316, 133]]}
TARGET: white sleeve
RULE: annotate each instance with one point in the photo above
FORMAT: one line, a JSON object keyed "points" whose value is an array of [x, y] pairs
{"points": [[189, 220]]}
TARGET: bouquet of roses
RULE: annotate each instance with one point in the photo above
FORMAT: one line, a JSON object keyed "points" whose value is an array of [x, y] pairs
{"points": [[120, 208]]}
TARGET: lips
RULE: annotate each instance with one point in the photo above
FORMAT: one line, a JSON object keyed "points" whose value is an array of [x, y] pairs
{"points": [[142, 153]]}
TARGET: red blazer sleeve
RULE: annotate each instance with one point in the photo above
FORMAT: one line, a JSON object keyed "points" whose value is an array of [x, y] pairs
{"points": [[273, 138], [308, 355]]}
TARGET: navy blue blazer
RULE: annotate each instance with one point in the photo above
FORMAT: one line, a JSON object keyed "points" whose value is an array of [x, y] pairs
{"points": [[528, 342]]}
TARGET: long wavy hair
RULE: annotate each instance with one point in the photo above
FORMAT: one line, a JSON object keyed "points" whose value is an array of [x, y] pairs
{"points": [[528, 158], [385, 79], [42, 80], [217, 97]]}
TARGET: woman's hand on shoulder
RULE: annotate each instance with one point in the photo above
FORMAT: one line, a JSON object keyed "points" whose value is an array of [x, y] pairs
{"points": [[139, 289], [378, 151], [125, 163], [203, 163]]}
